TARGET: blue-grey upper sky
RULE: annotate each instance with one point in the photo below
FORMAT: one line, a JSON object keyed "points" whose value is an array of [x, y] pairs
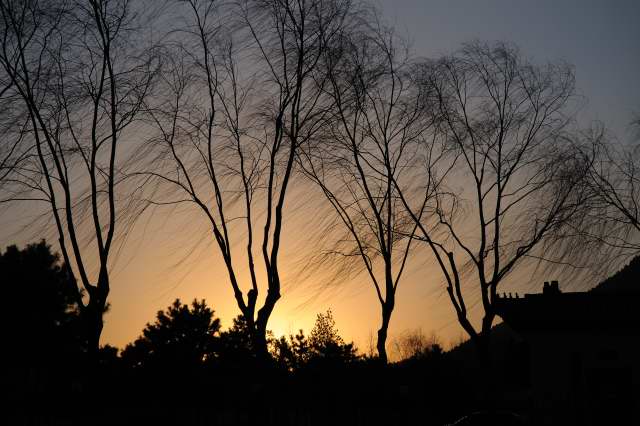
{"points": [[601, 38]]}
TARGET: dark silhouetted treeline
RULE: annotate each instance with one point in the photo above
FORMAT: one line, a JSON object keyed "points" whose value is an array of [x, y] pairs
{"points": [[185, 369]]}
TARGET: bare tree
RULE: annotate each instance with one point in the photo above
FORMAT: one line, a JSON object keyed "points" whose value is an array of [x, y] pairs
{"points": [[614, 181], [412, 344], [244, 93], [516, 180], [81, 83], [368, 142], [15, 147]]}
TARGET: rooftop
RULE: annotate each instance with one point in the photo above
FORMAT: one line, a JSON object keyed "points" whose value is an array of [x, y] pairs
{"points": [[554, 311]]}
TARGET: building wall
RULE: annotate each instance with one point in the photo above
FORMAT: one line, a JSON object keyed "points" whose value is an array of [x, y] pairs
{"points": [[584, 378]]}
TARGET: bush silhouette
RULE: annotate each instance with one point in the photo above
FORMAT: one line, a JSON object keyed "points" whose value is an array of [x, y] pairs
{"points": [[42, 318], [323, 348], [183, 337]]}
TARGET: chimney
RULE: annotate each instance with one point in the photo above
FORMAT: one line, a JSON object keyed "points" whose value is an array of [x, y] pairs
{"points": [[551, 287]]}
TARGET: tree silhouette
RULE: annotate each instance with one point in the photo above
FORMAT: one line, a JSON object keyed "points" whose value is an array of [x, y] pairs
{"points": [[325, 342], [291, 353], [235, 346], [613, 178], [515, 180], [182, 337], [244, 91], [80, 73], [368, 142], [323, 348], [40, 317], [414, 344]]}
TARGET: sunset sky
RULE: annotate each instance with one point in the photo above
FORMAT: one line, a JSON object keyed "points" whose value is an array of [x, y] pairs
{"points": [[172, 254]]}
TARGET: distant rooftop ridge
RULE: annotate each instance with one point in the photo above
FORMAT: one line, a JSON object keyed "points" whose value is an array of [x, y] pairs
{"points": [[555, 311], [624, 282]]}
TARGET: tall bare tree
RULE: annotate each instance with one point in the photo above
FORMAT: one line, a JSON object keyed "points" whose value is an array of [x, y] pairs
{"points": [[368, 142], [516, 182], [74, 68], [243, 94]]}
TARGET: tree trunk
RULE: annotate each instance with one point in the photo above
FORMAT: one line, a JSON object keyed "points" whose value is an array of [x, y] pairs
{"points": [[482, 343], [93, 323], [487, 385], [259, 341], [264, 313], [92, 327], [382, 334]]}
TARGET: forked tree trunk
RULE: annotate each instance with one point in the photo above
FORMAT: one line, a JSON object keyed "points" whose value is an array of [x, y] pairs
{"points": [[260, 328]]}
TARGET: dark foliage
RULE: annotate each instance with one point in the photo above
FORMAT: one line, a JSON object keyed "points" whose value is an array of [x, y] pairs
{"points": [[290, 354], [325, 343], [183, 337], [187, 369], [235, 347], [41, 318], [324, 348]]}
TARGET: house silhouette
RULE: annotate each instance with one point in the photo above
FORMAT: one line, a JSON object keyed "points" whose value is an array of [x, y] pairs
{"points": [[583, 352]]}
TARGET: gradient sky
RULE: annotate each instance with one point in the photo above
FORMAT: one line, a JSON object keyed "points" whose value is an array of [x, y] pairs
{"points": [[600, 38]]}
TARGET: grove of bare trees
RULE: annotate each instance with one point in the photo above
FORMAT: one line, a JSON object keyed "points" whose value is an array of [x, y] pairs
{"points": [[471, 161]]}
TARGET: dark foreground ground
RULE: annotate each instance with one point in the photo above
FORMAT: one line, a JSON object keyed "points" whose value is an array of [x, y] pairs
{"points": [[437, 391]]}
